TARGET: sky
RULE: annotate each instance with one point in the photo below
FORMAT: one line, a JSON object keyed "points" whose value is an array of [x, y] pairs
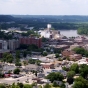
{"points": [[44, 7]]}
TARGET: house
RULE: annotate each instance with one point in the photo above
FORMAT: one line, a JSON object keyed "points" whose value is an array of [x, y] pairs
{"points": [[32, 67], [47, 65], [40, 75]]}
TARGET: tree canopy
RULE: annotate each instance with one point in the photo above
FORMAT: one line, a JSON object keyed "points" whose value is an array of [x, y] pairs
{"points": [[70, 74], [83, 30], [16, 71], [7, 57], [83, 70], [55, 76], [80, 83], [81, 51], [75, 68]]}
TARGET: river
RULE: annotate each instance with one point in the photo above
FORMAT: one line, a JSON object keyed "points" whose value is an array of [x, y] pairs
{"points": [[69, 33]]}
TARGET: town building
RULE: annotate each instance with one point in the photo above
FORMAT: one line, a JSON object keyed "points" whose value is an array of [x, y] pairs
{"points": [[61, 47], [79, 40], [74, 46], [82, 61], [75, 57], [47, 65], [31, 40], [3, 47], [85, 46], [3, 44], [31, 67], [13, 44], [66, 53], [50, 33]]}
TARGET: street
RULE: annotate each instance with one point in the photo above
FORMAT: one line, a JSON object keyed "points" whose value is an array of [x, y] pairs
{"points": [[16, 80]]}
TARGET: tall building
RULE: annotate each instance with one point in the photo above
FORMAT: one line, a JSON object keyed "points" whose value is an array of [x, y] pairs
{"points": [[3, 47], [31, 40], [13, 44]]}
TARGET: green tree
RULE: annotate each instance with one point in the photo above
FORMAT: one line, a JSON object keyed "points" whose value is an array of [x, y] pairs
{"points": [[32, 61], [47, 86], [17, 60], [20, 85], [13, 85], [7, 57], [44, 53], [18, 64], [25, 63], [75, 68], [55, 84], [79, 50], [17, 54], [65, 68], [40, 86], [38, 62], [27, 86], [83, 30], [62, 85], [80, 82], [55, 76], [17, 86], [56, 55], [2, 86], [70, 80], [16, 71], [84, 70], [1, 75], [70, 74], [25, 53]]}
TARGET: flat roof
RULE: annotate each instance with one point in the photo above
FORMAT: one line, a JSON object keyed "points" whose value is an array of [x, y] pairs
{"points": [[46, 63]]}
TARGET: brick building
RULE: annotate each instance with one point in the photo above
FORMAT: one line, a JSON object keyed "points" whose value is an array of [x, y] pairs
{"points": [[31, 40], [66, 53], [75, 57]]}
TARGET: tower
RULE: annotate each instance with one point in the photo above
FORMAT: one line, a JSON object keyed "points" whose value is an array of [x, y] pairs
{"points": [[49, 26]]}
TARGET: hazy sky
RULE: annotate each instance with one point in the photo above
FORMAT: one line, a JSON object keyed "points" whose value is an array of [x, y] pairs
{"points": [[44, 7]]}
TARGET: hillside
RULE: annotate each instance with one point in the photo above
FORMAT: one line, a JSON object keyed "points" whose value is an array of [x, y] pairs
{"points": [[6, 18]]}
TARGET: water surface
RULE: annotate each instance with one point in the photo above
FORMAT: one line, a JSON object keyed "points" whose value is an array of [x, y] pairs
{"points": [[69, 33]]}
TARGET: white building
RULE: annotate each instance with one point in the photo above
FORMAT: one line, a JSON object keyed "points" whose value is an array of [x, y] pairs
{"points": [[3, 45], [48, 33], [84, 60]]}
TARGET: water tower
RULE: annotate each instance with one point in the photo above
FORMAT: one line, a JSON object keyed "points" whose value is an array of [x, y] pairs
{"points": [[49, 26]]}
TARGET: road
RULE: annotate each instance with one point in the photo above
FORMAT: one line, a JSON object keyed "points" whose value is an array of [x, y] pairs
{"points": [[16, 80]]}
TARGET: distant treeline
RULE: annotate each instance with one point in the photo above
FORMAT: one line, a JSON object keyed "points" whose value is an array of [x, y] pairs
{"points": [[40, 21]]}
